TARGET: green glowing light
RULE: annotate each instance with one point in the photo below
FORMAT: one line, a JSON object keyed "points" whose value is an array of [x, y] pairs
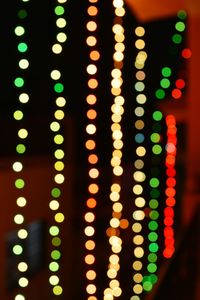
{"points": [[155, 137], [153, 203], [153, 236], [157, 149], [22, 14], [165, 83], [152, 268], [19, 82], [180, 26], [155, 193], [182, 14], [22, 47], [59, 10], [19, 183], [153, 247], [55, 254], [54, 230], [147, 286], [153, 225], [56, 241], [20, 148], [177, 38], [58, 87], [160, 94], [152, 257], [153, 277], [157, 115], [154, 214], [54, 266], [154, 182], [56, 192], [166, 72], [17, 249]]}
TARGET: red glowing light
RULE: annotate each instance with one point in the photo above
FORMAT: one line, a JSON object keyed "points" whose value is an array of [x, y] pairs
{"points": [[168, 232], [171, 172], [186, 53], [180, 83], [170, 192], [176, 93], [170, 202], [168, 252], [169, 212], [171, 182], [168, 221]]}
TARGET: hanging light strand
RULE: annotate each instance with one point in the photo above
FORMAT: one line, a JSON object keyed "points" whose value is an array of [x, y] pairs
{"points": [[90, 144], [139, 175], [18, 115], [59, 153], [113, 232]]}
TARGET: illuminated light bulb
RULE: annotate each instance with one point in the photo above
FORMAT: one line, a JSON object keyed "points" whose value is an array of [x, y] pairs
{"points": [[19, 297], [22, 133], [22, 267], [21, 201], [55, 74], [91, 26], [23, 282], [61, 37], [18, 219], [17, 166], [22, 234], [90, 129], [91, 41], [57, 48], [89, 259], [61, 22], [91, 289], [24, 64], [92, 11]]}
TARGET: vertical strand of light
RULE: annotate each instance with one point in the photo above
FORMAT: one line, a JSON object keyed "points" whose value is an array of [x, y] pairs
{"points": [[117, 109], [91, 128], [20, 85], [154, 199], [59, 153], [139, 175], [170, 190]]}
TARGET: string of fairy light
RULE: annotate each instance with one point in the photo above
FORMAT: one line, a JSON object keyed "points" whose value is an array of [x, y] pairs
{"points": [[139, 175], [18, 115], [113, 232], [59, 150], [170, 190], [91, 128]]}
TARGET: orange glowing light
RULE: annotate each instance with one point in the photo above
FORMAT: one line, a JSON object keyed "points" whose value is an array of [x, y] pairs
{"points": [[90, 144], [90, 245], [92, 11], [89, 217], [89, 259], [91, 275], [91, 99], [93, 188], [91, 114], [91, 203], [124, 223], [92, 83], [93, 159], [94, 55]]}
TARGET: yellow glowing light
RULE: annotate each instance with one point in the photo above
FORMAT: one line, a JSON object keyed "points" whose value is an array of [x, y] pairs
{"points": [[61, 37], [93, 173], [22, 267], [19, 219], [140, 31], [22, 234], [91, 41], [138, 278], [137, 289], [89, 217], [57, 48], [23, 282], [114, 222], [91, 129], [59, 178], [23, 133], [59, 217], [138, 239], [54, 205], [61, 22], [60, 101], [139, 44], [23, 98], [140, 202], [138, 215], [120, 11], [118, 56], [59, 154], [118, 3], [55, 74], [137, 265], [21, 201], [19, 297], [90, 245], [140, 151], [54, 280], [139, 176], [91, 26], [91, 289], [119, 47], [137, 189], [91, 69], [17, 166], [137, 227], [117, 207], [89, 231], [59, 114], [23, 64], [59, 166]]}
